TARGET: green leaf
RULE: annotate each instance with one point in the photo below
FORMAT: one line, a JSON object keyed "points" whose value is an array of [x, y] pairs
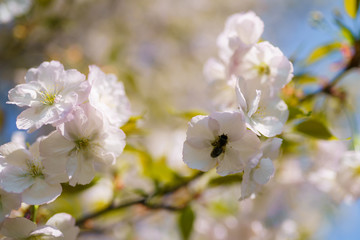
{"points": [[289, 146], [44, 3], [295, 112], [351, 7], [345, 31], [186, 222], [226, 180], [304, 78], [321, 52], [187, 115], [314, 128], [130, 126], [155, 169], [222, 208], [140, 192]]}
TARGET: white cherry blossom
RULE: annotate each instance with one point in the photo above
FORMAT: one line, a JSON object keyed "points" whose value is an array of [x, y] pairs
{"points": [[241, 31], [222, 140], [258, 172], [22, 228], [23, 172], [108, 96], [50, 93], [264, 64], [66, 224], [76, 146], [9, 9], [265, 113]]}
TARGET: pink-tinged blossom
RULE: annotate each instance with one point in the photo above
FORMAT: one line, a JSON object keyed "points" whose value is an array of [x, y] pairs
{"points": [[222, 140], [50, 93], [108, 96], [23, 172], [61, 226], [342, 112], [258, 172], [265, 113], [81, 143], [241, 31], [220, 88], [348, 175], [263, 64]]}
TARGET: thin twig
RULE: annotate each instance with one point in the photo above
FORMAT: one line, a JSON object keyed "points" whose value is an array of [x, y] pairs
{"points": [[111, 207], [328, 88], [143, 201]]}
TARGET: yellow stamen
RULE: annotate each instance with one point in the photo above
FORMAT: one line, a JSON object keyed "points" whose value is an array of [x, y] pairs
{"points": [[35, 168], [263, 69], [48, 98], [82, 143]]}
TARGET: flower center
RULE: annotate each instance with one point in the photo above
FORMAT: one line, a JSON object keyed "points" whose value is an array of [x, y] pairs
{"points": [[48, 98], [260, 112], [35, 168], [82, 143], [263, 69], [219, 145]]}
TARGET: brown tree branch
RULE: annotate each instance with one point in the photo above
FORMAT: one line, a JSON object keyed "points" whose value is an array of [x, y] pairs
{"points": [[144, 200]]}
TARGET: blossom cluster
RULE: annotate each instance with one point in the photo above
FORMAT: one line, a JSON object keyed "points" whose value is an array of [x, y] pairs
{"points": [[87, 115], [59, 226], [245, 83]]}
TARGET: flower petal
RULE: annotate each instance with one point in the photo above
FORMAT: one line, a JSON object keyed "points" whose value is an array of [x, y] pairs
{"points": [[41, 192], [199, 126], [35, 117], [265, 171], [271, 117], [66, 224], [9, 201], [114, 141], [271, 148], [80, 169], [248, 186], [47, 231], [25, 94], [14, 179], [198, 158], [230, 163], [55, 145], [231, 123], [17, 228]]}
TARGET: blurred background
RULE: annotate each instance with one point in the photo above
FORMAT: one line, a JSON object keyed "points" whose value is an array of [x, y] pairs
{"points": [[157, 49]]}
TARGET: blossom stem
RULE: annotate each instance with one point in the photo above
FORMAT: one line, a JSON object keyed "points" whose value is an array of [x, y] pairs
{"points": [[34, 210]]}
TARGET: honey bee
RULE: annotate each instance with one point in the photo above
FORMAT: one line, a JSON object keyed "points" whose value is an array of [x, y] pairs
{"points": [[219, 145]]}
